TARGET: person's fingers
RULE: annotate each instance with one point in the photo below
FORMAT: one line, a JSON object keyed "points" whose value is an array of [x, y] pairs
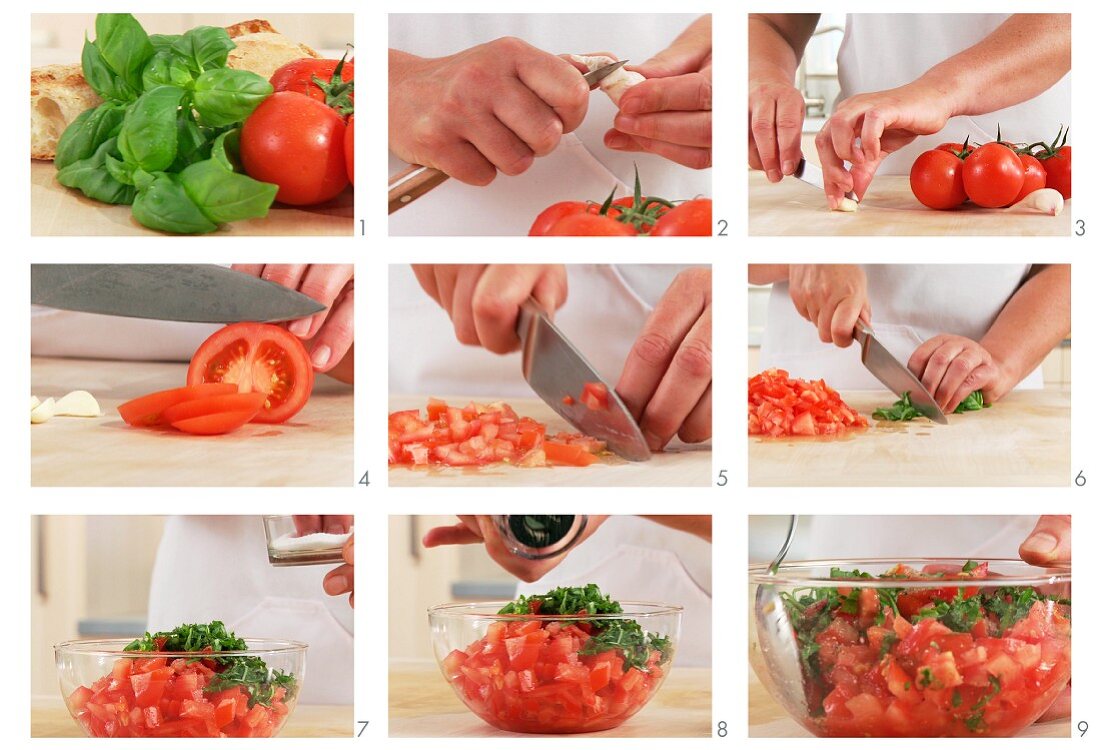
{"points": [[463, 161], [323, 282], [1049, 542], [918, 360], [496, 300], [938, 363], [836, 177], [459, 533], [862, 174], [790, 113], [686, 93], [978, 378], [688, 156], [252, 269], [339, 580], [875, 121], [697, 427], [682, 128], [337, 335], [304, 525], [348, 552], [530, 118], [964, 363], [843, 324], [426, 276], [462, 310], [683, 385], [337, 524], [842, 135], [555, 81], [284, 274], [762, 126], [551, 289], [499, 145], [824, 321]]}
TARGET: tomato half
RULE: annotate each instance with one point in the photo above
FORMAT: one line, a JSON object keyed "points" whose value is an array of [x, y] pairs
{"points": [[146, 411], [296, 143], [590, 225], [257, 357], [936, 179], [689, 219], [1035, 177], [993, 175], [201, 407]]}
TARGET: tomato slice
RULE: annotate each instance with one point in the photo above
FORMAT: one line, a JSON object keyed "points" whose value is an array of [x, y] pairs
{"points": [[571, 455], [215, 424], [201, 407], [146, 411], [257, 357]]}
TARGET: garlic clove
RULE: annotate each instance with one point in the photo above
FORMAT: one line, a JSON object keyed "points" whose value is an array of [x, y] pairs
{"points": [[1043, 201], [43, 411], [34, 401], [77, 404], [847, 205]]}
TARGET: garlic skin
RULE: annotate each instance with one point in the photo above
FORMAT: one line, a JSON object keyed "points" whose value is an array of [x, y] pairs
{"points": [[616, 84], [77, 404], [847, 205], [1043, 201]]}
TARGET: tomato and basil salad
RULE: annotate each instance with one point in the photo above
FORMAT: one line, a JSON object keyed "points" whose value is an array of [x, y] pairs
{"points": [[951, 660], [781, 406], [481, 435], [559, 675], [198, 694]]}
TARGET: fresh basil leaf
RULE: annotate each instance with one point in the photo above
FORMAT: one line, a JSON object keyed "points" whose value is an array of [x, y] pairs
{"points": [[163, 41], [225, 196], [193, 141], [87, 132], [227, 150], [91, 177], [120, 170], [163, 204], [974, 402], [225, 97], [166, 68], [124, 45], [204, 47], [148, 137], [101, 78]]}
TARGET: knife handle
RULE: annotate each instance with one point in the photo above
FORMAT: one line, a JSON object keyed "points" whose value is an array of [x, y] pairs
{"points": [[410, 184]]}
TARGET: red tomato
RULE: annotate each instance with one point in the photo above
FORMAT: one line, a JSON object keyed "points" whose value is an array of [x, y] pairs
{"points": [[218, 423], [1035, 177], [780, 405], [145, 411], [595, 396], [550, 216], [349, 148], [337, 90], [993, 175], [296, 143], [529, 676], [1059, 169], [689, 219], [257, 357], [202, 407], [937, 179], [569, 455], [590, 225]]}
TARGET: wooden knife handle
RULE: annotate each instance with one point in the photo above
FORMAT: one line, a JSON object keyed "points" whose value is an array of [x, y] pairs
{"points": [[409, 184]]}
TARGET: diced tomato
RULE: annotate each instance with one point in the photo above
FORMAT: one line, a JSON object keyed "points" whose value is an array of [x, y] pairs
{"points": [[595, 396], [781, 406]]}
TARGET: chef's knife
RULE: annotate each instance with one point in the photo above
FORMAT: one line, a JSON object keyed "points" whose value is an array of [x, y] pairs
{"points": [[167, 291], [894, 375], [416, 181], [811, 175], [555, 369]]}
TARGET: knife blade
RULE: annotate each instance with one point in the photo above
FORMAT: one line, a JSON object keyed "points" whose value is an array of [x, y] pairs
{"points": [[554, 368], [894, 375], [166, 291], [811, 175], [597, 75]]}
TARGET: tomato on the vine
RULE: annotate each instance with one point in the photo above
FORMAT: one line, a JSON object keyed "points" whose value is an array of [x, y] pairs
{"points": [[937, 178], [689, 219], [331, 82], [1035, 177], [590, 225], [993, 175]]}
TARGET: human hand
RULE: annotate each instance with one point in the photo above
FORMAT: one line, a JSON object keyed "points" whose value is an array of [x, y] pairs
{"points": [[883, 122], [483, 301], [952, 367], [665, 382], [329, 334], [669, 114], [492, 107], [305, 525], [483, 530], [776, 113], [832, 297], [341, 580], [1048, 545]]}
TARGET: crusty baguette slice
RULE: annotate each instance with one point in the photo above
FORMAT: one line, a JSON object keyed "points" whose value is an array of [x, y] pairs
{"points": [[59, 92]]}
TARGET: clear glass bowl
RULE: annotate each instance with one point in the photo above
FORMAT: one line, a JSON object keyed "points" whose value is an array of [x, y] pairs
{"points": [[530, 673], [866, 672], [111, 692]]}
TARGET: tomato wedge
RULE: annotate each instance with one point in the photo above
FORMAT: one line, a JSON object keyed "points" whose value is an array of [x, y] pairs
{"points": [[202, 407], [146, 411], [257, 357], [215, 424]]}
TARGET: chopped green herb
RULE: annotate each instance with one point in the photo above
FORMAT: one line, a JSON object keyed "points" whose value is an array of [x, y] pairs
{"points": [[903, 410]]}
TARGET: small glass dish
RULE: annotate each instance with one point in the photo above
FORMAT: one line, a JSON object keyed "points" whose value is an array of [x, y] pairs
{"points": [[285, 547]]}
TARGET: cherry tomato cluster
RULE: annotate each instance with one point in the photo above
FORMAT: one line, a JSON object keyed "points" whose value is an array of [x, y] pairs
{"points": [[992, 175], [302, 137], [630, 216]]}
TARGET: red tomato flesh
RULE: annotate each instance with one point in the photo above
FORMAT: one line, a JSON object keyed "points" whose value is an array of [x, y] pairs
{"points": [[781, 406], [529, 676], [147, 410], [151, 697], [257, 357], [215, 424], [202, 407], [594, 396]]}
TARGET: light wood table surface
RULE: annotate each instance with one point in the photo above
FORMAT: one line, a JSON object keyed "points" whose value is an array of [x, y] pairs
{"points": [[1022, 440], [313, 449], [422, 704]]}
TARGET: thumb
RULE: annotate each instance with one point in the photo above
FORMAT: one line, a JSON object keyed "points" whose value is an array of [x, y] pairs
{"points": [[1049, 542], [677, 60]]}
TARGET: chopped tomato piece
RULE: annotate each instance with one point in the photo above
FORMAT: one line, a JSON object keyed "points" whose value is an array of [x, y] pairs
{"points": [[781, 406]]}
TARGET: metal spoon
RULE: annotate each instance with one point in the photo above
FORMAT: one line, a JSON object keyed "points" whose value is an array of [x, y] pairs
{"points": [[778, 643]]}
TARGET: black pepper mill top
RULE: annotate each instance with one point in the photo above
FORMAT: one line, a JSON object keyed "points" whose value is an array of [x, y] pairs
{"points": [[540, 537]]}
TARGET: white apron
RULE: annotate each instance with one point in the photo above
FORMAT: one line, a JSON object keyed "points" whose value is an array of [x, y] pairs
{"points": [[216, 568], [634, 559], [603, 315], [64, 333], [884, 50], [581, 168], [909, 304]]}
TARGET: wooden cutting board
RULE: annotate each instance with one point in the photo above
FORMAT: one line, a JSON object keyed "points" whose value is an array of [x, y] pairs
{"points": [[50, 718], [58, 210], [678, 466], [312, 449], [768, 719], [1022, 440], [791, 207], [422, 704]]}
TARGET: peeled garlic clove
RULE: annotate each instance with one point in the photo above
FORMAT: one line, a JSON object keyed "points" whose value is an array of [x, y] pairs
{"points": [[34, 402], [847, 205], [77, 404], [1043, 201], [616, 84], [43, 411]]}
